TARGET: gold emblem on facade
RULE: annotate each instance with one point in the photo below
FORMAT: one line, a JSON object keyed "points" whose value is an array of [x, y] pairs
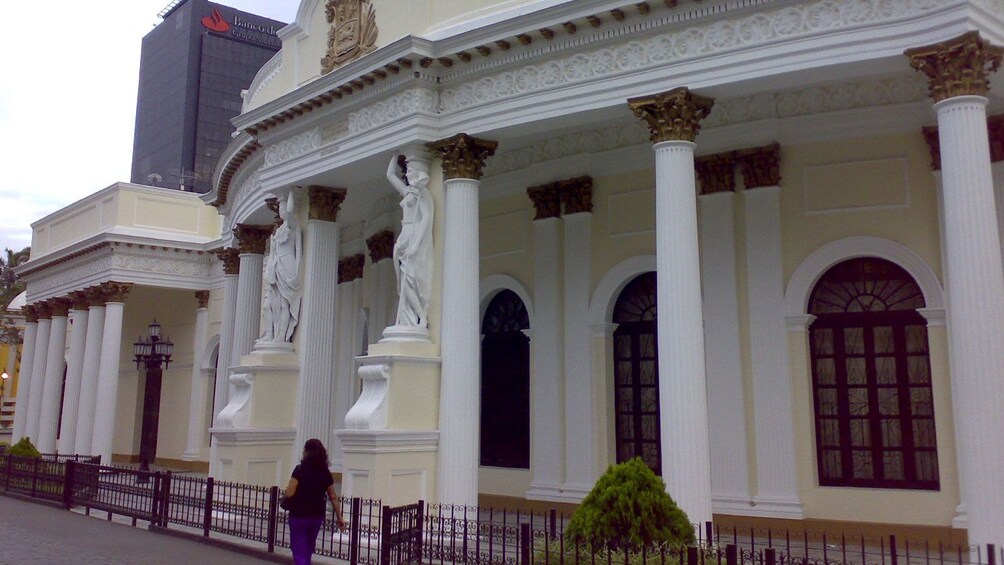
{"points": [[353, 32]]}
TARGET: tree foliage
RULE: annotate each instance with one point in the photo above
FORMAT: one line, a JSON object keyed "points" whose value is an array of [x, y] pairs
{"points": [[24, 448], [10, 287], [629, 509]]}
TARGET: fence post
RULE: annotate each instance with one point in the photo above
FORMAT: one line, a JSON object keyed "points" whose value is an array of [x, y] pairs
{"points": [[731, 555], [421, 531], [165, 501], [553, 518], [691, 555], [69, 471], [893, 558], [385, 535], [991, 554], [154, 517], [34, 475], [708, 532], [354, 527], [10, 469], [273, 517], [769, 556], [525, 538], [207, 508]]}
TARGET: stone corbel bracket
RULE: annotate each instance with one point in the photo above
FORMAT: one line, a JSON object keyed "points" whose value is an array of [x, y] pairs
{"points": [[237, 413], [370, 411]]}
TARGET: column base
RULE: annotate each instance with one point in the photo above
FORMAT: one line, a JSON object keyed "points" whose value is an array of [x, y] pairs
{"points": [[733, 505], [405, 333], [257, 456], [961, 518], [396, 466], [553, 493], [267, 346], [787, 508]]}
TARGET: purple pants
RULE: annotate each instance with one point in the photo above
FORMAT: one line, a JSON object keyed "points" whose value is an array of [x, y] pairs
{"points": [[302, 537]]}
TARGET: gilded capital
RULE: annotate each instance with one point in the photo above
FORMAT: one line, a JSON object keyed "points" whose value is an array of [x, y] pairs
{"points": [[381, 245], [44, 311], [96, 296], [203, 297], [230, 257], [81, 300], [60, 307], [546, 200], [674, 115], [252, 239], [325, 203], [351, 268], [576, 194], [116, 292], [761, 166], [957, 67], [717, 173], [463, 156], [30, 314]]}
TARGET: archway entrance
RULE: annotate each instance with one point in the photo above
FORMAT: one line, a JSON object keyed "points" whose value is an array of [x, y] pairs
{"points": [[505, 383]]}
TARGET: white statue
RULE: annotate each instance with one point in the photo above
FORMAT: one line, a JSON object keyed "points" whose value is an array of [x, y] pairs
{"points": [[413, 249], [282, 275]]}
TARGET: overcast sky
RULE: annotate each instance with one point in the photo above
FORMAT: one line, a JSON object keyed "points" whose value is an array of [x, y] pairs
{"points": [[68, 100]]}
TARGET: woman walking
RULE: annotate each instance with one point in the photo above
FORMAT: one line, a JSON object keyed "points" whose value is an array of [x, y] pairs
{"points": [[310, 482]]}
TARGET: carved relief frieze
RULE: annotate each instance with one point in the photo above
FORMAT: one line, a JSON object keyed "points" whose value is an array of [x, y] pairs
{"points": [[463, 156], [672, 115], [393, 109], [292, 147], [957, 67], [381, 245], [325, 202], [353, 32], [351, 268]]}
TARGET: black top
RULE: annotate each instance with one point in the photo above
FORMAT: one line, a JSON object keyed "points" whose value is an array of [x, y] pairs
{"points": [[310, 499]]}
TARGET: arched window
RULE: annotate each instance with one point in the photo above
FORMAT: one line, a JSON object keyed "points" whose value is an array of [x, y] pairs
{"points": [[871, 378], [636, 373], [505, 383]]}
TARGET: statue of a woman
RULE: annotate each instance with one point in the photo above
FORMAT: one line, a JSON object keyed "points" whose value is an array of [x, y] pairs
{"points": [[282, 276], [413, 249]]}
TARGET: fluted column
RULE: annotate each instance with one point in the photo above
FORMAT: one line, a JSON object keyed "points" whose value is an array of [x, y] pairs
{"points": [[38, 370], [546, 390], [108, 371], [777, 483], [958, 72], [381, 246], [319, 317], [74, 372], [89, 371], [230, 257], [726, 401], [197, 398], [350, 273], [25, 377], [463, 158], [48, 420], [580, 418], [673, 119], [247, 320]]}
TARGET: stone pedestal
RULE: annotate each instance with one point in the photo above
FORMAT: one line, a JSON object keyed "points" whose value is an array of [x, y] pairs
{"points": [[391, 443], [256, 431]]}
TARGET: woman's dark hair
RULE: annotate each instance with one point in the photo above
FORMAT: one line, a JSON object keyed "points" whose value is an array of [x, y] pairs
{"points": [[314, 454]]}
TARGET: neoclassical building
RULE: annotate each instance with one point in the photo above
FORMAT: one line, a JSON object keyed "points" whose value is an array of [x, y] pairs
{"points": [[755, 243]]}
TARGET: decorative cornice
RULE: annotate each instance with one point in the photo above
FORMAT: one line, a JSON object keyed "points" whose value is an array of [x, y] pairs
{"points": [[231, 259], [231, 169], [576, 194], [546, 200], [717, 173], [463, 156], [60, 307], [252, 239], [325, 202], [116, 292], [672, 115], [957, 67], [30, 314], [381, 245], [351, 268], [202, 296], [760, 166]]}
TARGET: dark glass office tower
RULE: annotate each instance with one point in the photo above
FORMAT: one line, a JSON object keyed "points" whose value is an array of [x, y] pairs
{"points": [[193, 67]]}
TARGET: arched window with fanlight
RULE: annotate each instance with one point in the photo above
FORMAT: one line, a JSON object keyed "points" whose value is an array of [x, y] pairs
{"points": [[871, 378], [636, 373], [505, 383]]}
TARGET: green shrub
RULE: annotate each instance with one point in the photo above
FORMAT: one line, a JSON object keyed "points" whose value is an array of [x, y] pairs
{"points": [[24, 448], [629, 509]]}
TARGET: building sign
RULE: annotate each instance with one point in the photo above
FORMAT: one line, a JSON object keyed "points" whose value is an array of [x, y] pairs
{"points": [[264, 33]]}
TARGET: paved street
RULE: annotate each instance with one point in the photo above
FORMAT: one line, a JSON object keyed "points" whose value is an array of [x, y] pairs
{"points": [[35, 533]]}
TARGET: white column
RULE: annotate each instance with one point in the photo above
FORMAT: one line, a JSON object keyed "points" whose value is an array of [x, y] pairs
{"points": [[723, 356], [74, 374], [24, 380], [580, 420], [38, 373], [319, 318], [345, 362], [247, 319], [777, 486], [48, 416], [108, 381], [976, 299], [547, 422], [197, 398], [89, 379], [997, 171], [225, 354], [683, 400]]}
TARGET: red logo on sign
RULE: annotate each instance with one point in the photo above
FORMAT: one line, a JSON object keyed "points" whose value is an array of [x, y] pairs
{"points": [[216, 22]]}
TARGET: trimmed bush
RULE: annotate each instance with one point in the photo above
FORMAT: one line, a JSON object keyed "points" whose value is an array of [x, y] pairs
{"points": [[24, 448], [629, 509]]}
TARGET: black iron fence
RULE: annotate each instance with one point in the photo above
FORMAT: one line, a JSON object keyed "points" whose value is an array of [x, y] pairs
{"points": [[435, 533]]}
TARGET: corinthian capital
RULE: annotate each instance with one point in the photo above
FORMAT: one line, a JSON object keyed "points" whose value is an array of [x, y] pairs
{"points": [[957, 67], [230, 257], [463, 156], [325, 203], [252, 239], [672, 116]]}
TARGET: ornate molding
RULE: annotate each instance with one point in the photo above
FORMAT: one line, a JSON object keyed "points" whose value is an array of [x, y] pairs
{"points": [[116, 292], [463, 156], [353, 32], [351, 268], [717, 173], [957, 67], [231, 259], [576, 194], [672, 115], [292, 147], [252, 239], [760, 166], [30, 314], [202, 296], [546, 200], [325, 202], [393, 109], [381, 245]]}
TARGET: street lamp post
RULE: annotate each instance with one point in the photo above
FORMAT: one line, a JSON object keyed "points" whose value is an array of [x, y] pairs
{"points": [[3, 384], [150, 354]]}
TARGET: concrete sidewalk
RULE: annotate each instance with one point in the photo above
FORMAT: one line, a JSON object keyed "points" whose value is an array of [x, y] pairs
{"points": [[38, 533]]}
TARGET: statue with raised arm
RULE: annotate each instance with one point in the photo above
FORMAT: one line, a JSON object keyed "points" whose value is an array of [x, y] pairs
{"points": [[282, 276], [413, 249]]}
